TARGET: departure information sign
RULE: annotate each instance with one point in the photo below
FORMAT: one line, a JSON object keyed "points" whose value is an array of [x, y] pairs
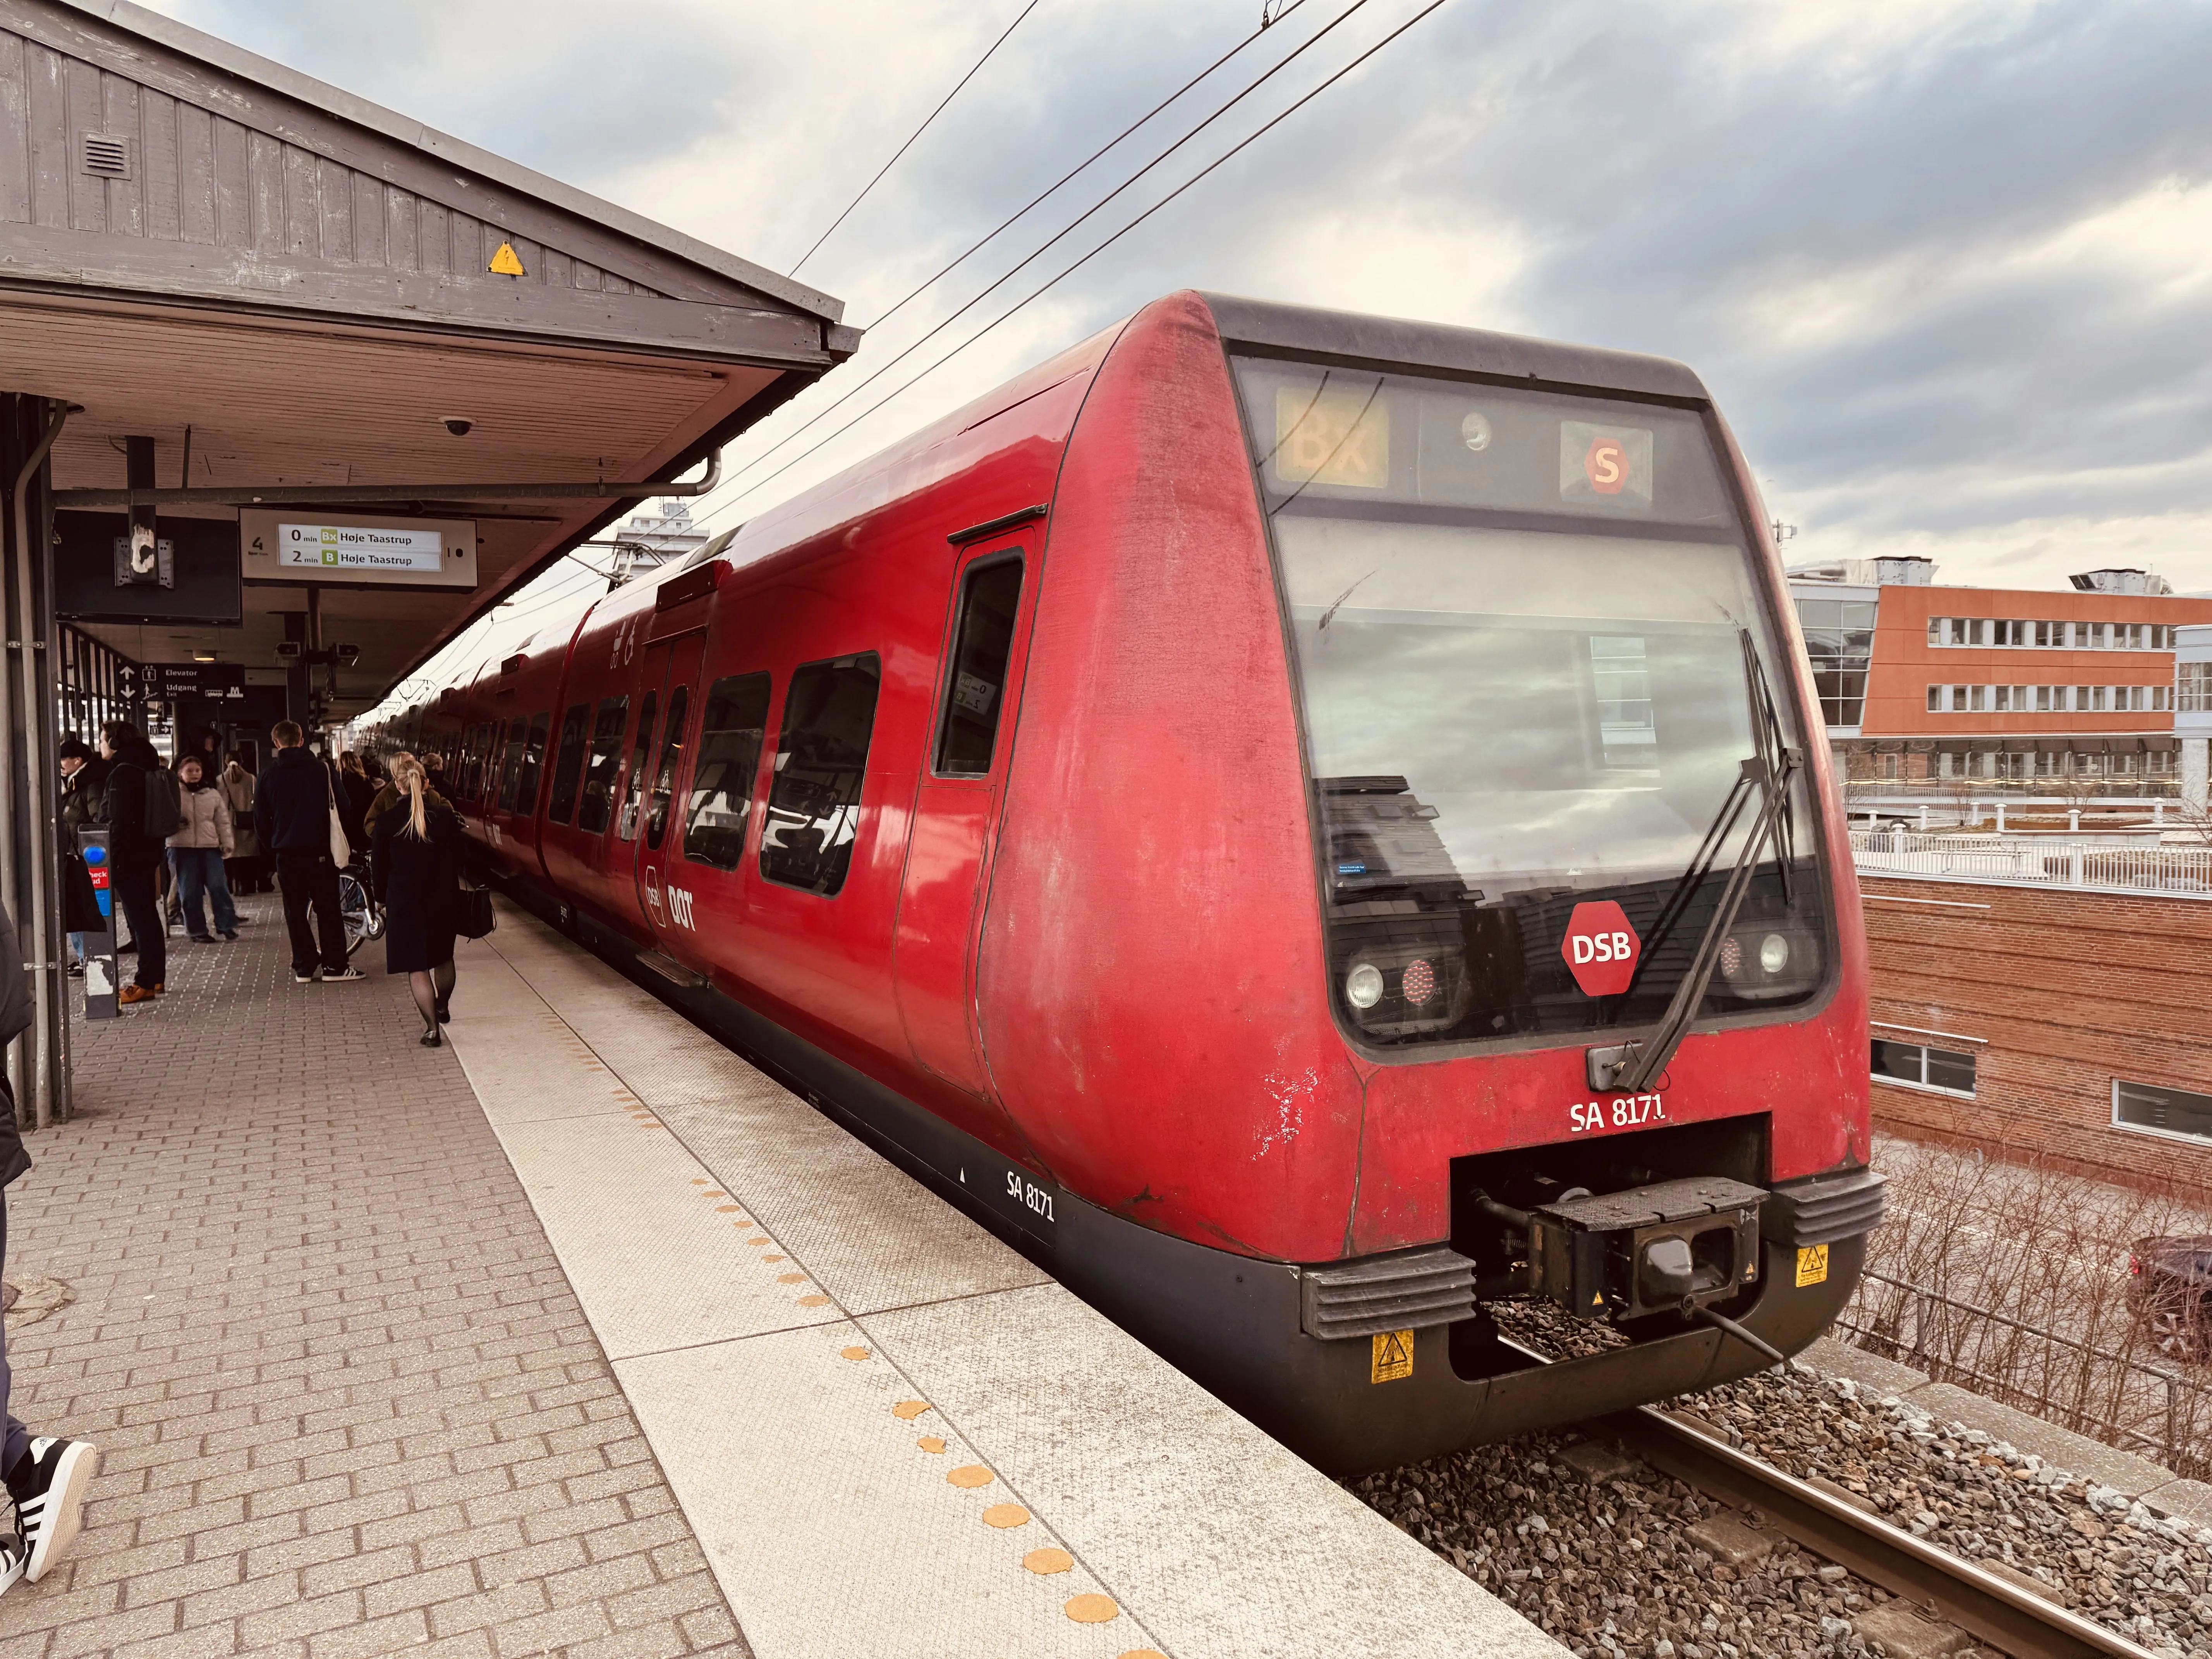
{"points": [[356, 549], [359, 547]]}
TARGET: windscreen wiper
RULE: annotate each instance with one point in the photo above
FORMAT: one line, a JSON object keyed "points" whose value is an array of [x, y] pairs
{"points": [[1629, 1067]]}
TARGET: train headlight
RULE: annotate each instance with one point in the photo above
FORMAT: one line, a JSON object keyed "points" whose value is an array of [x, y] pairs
{"points": [[1773, 954], [1362, 985]]}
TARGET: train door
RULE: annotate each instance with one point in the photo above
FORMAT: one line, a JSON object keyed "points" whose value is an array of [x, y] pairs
{"points": [[654, 815], [955, 806]]}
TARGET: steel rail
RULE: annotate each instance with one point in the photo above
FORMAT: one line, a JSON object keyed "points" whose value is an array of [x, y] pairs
{"points": [[1993, 1609]]}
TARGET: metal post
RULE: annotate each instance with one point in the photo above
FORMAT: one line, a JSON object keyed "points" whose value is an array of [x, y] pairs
{"points": [[45, 865]]}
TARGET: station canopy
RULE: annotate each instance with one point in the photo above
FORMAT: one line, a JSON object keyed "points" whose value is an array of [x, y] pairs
{"points": [[314, 305]]}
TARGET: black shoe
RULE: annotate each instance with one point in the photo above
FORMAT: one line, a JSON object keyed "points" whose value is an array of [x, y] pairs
{"points": [[307, 977], [203, 938], [230, 935], [49, 1490], [14, 1553], [430, 1039], [128, 948], [342, 975]]}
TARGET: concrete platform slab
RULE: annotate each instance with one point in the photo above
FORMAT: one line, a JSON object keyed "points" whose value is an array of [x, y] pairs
{"points": [[816, 1462]]}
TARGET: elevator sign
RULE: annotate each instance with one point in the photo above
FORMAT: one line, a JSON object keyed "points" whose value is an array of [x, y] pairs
{"points": [[356, 549], [1601, 948]]}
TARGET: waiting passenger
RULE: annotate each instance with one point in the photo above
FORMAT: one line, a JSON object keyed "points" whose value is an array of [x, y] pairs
{"points": [[291, 810], [197, 853], [84, 806], [416, 860], [135, 853], [46, 1475], [244, 866], [388, 796], [354, 794]]}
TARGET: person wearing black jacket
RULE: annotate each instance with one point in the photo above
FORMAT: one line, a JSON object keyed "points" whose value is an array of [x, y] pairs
{"points": [[417, 861], [134, 856], [292, 818], [84, 805], [46, 1475]]}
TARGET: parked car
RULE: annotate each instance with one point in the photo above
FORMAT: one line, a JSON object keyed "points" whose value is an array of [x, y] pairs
{"points": [[2170, 1290]]}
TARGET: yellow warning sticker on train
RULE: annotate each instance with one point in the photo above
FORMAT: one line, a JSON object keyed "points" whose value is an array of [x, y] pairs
{"points": [[1812, 1265], [506, 262], [1394, 1357]]}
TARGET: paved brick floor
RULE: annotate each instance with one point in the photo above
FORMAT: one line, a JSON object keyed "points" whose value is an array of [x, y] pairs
{"points": [[348, 1403]]}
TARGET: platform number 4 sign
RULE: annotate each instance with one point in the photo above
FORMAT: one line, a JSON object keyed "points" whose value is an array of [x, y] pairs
{"points": [[1394, 1357]]}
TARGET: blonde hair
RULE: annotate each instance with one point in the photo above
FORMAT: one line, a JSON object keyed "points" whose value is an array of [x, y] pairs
{"points": [[408, 778]]}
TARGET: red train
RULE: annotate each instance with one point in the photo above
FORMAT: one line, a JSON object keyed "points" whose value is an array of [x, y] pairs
{"points": [[1314, 825]]}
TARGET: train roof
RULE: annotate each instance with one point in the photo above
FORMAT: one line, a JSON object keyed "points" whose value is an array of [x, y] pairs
{"points": [[1309, 330]]}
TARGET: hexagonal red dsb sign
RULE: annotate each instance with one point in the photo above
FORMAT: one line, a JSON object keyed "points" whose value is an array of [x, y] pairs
{"points": [[1601, 948]]}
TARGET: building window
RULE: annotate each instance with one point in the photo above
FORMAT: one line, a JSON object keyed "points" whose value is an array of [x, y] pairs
{"points": [[1839, 640], [2195, 680], [2173, 1112], [1917, 1067]]}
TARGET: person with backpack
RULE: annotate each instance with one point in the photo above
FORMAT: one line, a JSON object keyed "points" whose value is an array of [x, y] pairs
{"points": [[294, 810], [143, 810], [46, 1475]]}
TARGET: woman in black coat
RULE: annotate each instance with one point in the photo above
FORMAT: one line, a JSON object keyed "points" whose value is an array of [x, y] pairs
{"points": [[414, 856]]}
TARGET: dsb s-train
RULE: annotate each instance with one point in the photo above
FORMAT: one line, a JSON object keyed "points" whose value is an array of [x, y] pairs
{"points": [[1316, 826]]}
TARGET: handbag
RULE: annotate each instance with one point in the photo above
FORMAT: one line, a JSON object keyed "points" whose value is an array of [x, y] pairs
{"points": [[473, 916], [341, 850]]}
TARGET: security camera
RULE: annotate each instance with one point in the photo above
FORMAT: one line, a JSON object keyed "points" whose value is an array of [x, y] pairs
{"points": [[458, 427], [289, 648], [348, 655]]}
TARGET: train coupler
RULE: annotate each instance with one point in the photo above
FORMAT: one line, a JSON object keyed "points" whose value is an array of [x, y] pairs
{"points": [[1662, 1249]]}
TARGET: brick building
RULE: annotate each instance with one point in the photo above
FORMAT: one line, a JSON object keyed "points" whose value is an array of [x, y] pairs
{"points": [[2053, 1021], [1920, 682]]}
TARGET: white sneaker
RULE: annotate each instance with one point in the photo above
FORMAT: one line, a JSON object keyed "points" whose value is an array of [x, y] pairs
{"points": [[13, 1553], [50, 1504]]}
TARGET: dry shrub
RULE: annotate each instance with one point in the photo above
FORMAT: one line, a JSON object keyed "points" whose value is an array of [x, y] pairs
{"points": [[2018, 1278]]}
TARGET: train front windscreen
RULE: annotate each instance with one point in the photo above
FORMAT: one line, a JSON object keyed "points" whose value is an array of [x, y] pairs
{"points": [[1533, 661]]}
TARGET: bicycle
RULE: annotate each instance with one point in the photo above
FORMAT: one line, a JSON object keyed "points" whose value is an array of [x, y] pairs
{"points": [[363, 920]]}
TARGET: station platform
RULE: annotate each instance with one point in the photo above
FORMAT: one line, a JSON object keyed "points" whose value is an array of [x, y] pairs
{"points": [[580, 1336]]}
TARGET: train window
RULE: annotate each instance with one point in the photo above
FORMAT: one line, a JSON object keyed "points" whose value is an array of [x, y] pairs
{"points": [[598, 809], [510, 763], [568, 761], [814, 803], [1527, 631], [730, 741], [975, 680], [640, 750], [533, 762], [664, 774]]}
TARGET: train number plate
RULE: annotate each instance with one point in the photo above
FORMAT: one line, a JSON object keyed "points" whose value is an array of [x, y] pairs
{"points": [[1620, 1112], [1019, 1196]]}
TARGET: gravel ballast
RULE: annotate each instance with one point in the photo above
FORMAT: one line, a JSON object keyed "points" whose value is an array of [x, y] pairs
{"points": [[1611, 1558]]}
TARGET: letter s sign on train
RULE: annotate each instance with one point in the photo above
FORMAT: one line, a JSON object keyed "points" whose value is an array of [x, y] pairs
{"points": [[1601, 948]]}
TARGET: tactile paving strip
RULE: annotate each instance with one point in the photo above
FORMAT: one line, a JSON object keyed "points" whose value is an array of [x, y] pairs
{"points": [[891, 1433]]}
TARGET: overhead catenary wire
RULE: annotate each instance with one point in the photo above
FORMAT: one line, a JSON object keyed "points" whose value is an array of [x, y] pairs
{"points": [[984, 240], [1038, 252], [1070, 270], [916, 133]]}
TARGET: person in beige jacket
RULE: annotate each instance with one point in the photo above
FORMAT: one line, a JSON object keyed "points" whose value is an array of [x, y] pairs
{"points": [[197, 852], [244, 866]]}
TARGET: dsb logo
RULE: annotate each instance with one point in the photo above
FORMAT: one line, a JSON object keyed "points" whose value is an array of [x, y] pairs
{"points": [[1601, 948]]}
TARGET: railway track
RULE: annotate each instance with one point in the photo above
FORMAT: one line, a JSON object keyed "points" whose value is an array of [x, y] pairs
{"points": [[1992, 1609]]}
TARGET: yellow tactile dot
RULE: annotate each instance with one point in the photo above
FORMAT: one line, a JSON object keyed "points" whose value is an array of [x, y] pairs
{"points": [[714, 1194], [773, 1258], [971, 1475], [1005, 1514], [1092, 1609], [791, 1278], [757, 1242], [813, 1301], [852, 1353], [930, 1443], [908, 1410], [1144, 1653], [700, 1180], [726, 1209], [1048, 1561]]}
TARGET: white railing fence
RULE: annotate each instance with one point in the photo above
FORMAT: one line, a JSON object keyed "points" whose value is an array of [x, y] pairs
{"points": [[2178, 871]]}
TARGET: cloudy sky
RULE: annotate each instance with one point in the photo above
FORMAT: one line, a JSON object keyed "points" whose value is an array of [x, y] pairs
{"points": [[1945, 264]]}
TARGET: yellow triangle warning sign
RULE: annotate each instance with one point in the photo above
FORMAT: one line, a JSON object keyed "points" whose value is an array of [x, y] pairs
{"points": [[506, 262]]}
